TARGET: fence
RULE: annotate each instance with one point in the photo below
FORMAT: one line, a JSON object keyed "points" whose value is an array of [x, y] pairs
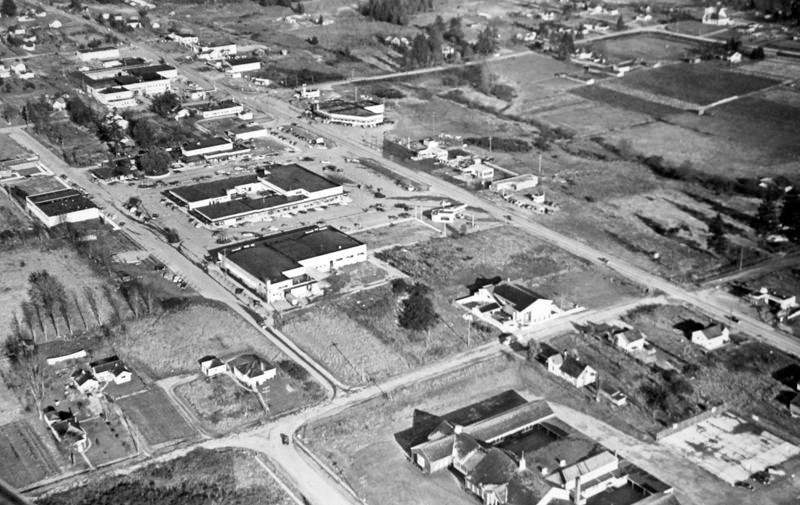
{"points": [[702, 416]]}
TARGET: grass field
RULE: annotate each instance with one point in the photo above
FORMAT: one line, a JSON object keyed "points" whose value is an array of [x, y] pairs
{"points": [[220, 403], [650, 48], [692, 27], [622, 101], [172, 342], [403, 233], [702, 84], [110, 440], [11, 217], [230, 475], [155, 418], [24, 459], [62, 262], [589, 118]]}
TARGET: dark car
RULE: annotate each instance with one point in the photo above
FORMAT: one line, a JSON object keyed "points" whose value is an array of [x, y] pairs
{"points": [[744, 484]]}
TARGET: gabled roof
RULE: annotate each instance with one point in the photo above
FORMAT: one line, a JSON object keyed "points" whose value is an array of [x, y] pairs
{"points": [[519, 297], [497, 467], [527, 487], [572, 367], [714, 330], [583, 467], [250, 365], [81, 377]]}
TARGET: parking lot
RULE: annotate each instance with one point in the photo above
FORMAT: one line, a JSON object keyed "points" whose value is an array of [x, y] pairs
{"points": [[730, 447]]}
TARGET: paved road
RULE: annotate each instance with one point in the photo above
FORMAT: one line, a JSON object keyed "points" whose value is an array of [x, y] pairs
{"points": [[771, 265]]}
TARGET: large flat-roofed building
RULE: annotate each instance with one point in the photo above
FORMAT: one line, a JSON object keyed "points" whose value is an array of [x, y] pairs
{"points": [[236, 66], [218, 109], [61, 206], [277, 190], [287, 265], [217, 51], [361, 113], [206, 146], [100, 53]]}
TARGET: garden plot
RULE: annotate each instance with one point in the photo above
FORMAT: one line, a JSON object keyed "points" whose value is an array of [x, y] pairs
{"points": [[730, 447]]}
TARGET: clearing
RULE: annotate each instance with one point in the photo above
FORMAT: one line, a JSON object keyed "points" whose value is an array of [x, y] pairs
{"points": [[24, 458], [649, 48], [155, 417]]}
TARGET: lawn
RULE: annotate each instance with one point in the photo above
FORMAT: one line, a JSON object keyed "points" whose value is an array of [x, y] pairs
{"points": [[649, 48], [230, 475], [155, 417], [110, 440], [11, 217], [24, 458], [702, 83]]}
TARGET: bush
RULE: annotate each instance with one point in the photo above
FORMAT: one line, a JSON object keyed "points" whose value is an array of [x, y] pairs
{"points": [[294, 370]]}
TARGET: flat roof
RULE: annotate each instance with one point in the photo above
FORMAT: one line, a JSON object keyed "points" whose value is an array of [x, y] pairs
{"points": [[96, 50], [207, 142], [242, 60], [225, 104], [64, 204], [293, 176], [266, 258], [337, 106], [150, 69], [244, 206], [213, 189], [33, 186]]}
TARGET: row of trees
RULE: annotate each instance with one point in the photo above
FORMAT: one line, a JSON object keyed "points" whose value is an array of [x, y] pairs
{"points": [[397, 12], [426, 47], [779, 213]]}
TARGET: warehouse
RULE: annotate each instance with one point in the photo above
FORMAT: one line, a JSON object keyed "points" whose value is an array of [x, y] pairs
{"points": [[61, 206], [363, 113], [236, 66], [288, 265], [207, 146]]}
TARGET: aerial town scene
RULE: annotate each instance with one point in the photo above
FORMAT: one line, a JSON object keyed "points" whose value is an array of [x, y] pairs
{"points": [[399, 252]]}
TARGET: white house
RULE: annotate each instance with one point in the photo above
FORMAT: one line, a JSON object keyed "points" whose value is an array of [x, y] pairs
{"points": [[447, 214], [568, 367], [307, 93], [711, 337], [55, 24], [510, 306], [735, 58], [251, 370], [630, 341], [111, 369], [211, 366], [432, 151], [766, 297], [84, 381], [478, 170]]}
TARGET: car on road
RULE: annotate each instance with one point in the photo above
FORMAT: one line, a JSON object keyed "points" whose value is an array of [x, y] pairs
{"points": [[744, 484]]}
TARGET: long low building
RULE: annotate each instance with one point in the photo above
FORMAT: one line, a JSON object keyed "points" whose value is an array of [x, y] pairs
{"points": [[288, 265], [364, 113], [61, 206], [274, 191]]}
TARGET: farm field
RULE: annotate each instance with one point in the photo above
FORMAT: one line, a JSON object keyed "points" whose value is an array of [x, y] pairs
{"points": [[701, 84], [24, 458], [587, 118], [692, 27], [232, 475], [155, 417], [615, 98], [650, 48]]}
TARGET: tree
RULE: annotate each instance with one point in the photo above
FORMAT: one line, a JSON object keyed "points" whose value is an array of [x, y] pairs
{"points": [[420, 54], [757, 53], [766, 220], [171, 235], [487, 41], [8, 8], [165, 104], [790, 216], [46, 293], [620, 23], [455, 32], [155, 162], [79, 112], [143, 133], [716, 239], [417, 313]]}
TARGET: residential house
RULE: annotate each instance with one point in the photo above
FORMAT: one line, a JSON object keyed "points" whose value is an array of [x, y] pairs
{"points": [[711, 337], [448, 51], [735, 57], [778, 302], [84, 381], [251, 370], [568, 367], [65, 428], [432, 151], [510, 305], [211, 366], [55, 24], [59, 104], [631, 341], [111, 369], [5, 72]]}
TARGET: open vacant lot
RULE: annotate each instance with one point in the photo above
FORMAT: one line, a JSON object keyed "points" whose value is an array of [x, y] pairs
{"points": [[155, 418], [24, 459], [220, 403], [701, 84], [730, 447], [405, 232], [649, 48], [232, 476]]}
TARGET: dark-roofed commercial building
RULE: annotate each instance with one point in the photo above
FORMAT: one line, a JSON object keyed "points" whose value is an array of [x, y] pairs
{"points": [[277, 190], [206, 146], [218, 109], [288, 265], [61, 206]]}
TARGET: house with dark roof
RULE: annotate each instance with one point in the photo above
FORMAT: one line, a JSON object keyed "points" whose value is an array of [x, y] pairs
{"points": [[509, 306], [251, 370], [65, 428], [84, 381], [567, 366], [111, 369], [712, 337], [212, 365]]}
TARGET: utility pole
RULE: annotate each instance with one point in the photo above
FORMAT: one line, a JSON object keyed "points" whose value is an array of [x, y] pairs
{"points": [[540, 163]]}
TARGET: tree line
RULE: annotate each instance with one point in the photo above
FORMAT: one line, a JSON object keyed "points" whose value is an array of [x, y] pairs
{"points": [[397, 12], [426, 48]]}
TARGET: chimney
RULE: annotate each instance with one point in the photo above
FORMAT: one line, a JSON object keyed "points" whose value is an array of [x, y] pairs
{"points": [[544, 470], [577, 495], [458, 429], [562, 463], [523, 465]]}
